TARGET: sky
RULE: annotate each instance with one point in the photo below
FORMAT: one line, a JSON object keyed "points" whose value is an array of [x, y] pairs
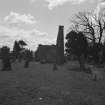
{"points": [[37, 21]]}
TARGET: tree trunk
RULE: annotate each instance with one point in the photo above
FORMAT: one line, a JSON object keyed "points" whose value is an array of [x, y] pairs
{"points": [[100, 55], [81, 62], [55, 68], [26, 65], [100, 37], [101, 31], [93, 35]]}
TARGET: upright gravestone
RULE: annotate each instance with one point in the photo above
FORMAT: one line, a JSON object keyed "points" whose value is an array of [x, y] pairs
{"points": [[60, 46]]}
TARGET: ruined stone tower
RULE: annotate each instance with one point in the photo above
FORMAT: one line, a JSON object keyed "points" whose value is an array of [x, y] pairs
{"points": [[60, 46]]}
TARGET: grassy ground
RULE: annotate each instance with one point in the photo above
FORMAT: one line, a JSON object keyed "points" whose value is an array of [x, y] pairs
{"points": [[40, 85]]}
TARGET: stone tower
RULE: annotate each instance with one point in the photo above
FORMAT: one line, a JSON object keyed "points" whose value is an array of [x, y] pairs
{"points": [[60, 46]]}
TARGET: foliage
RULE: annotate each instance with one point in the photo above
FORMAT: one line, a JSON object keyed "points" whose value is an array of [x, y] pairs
{"points": [[5, 52], [90, 24], [16, 47], [76, 43], [22, 43], [5, 56]]}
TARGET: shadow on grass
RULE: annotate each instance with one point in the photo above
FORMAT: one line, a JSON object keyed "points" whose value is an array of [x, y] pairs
{"points": [[77, 69]]}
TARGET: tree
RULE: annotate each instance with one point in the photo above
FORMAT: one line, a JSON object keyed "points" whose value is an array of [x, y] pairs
{"points": [[95, 53], [84, 23], [28, 57], [16, 49], [77, 45], [91, 25], [22, 43], [5, 56], [100, 28]]}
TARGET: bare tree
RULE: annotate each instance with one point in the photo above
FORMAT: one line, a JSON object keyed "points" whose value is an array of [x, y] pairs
{"points": [[84, 23], [100, 28], [92, 26]]}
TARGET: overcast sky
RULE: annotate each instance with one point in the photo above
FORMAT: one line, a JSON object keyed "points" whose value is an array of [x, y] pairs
{"points": [[37, 21]]}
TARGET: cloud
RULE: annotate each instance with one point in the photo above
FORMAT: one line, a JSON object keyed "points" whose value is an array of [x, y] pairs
{"points": [[55, 3], [100, 9], [32, 36], [33, 0], [51, 4], [16, 18]]}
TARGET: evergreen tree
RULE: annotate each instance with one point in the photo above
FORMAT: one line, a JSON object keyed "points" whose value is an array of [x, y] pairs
{"points": [[5, 56], [16, 49], [77, 45], [22, 43]]}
